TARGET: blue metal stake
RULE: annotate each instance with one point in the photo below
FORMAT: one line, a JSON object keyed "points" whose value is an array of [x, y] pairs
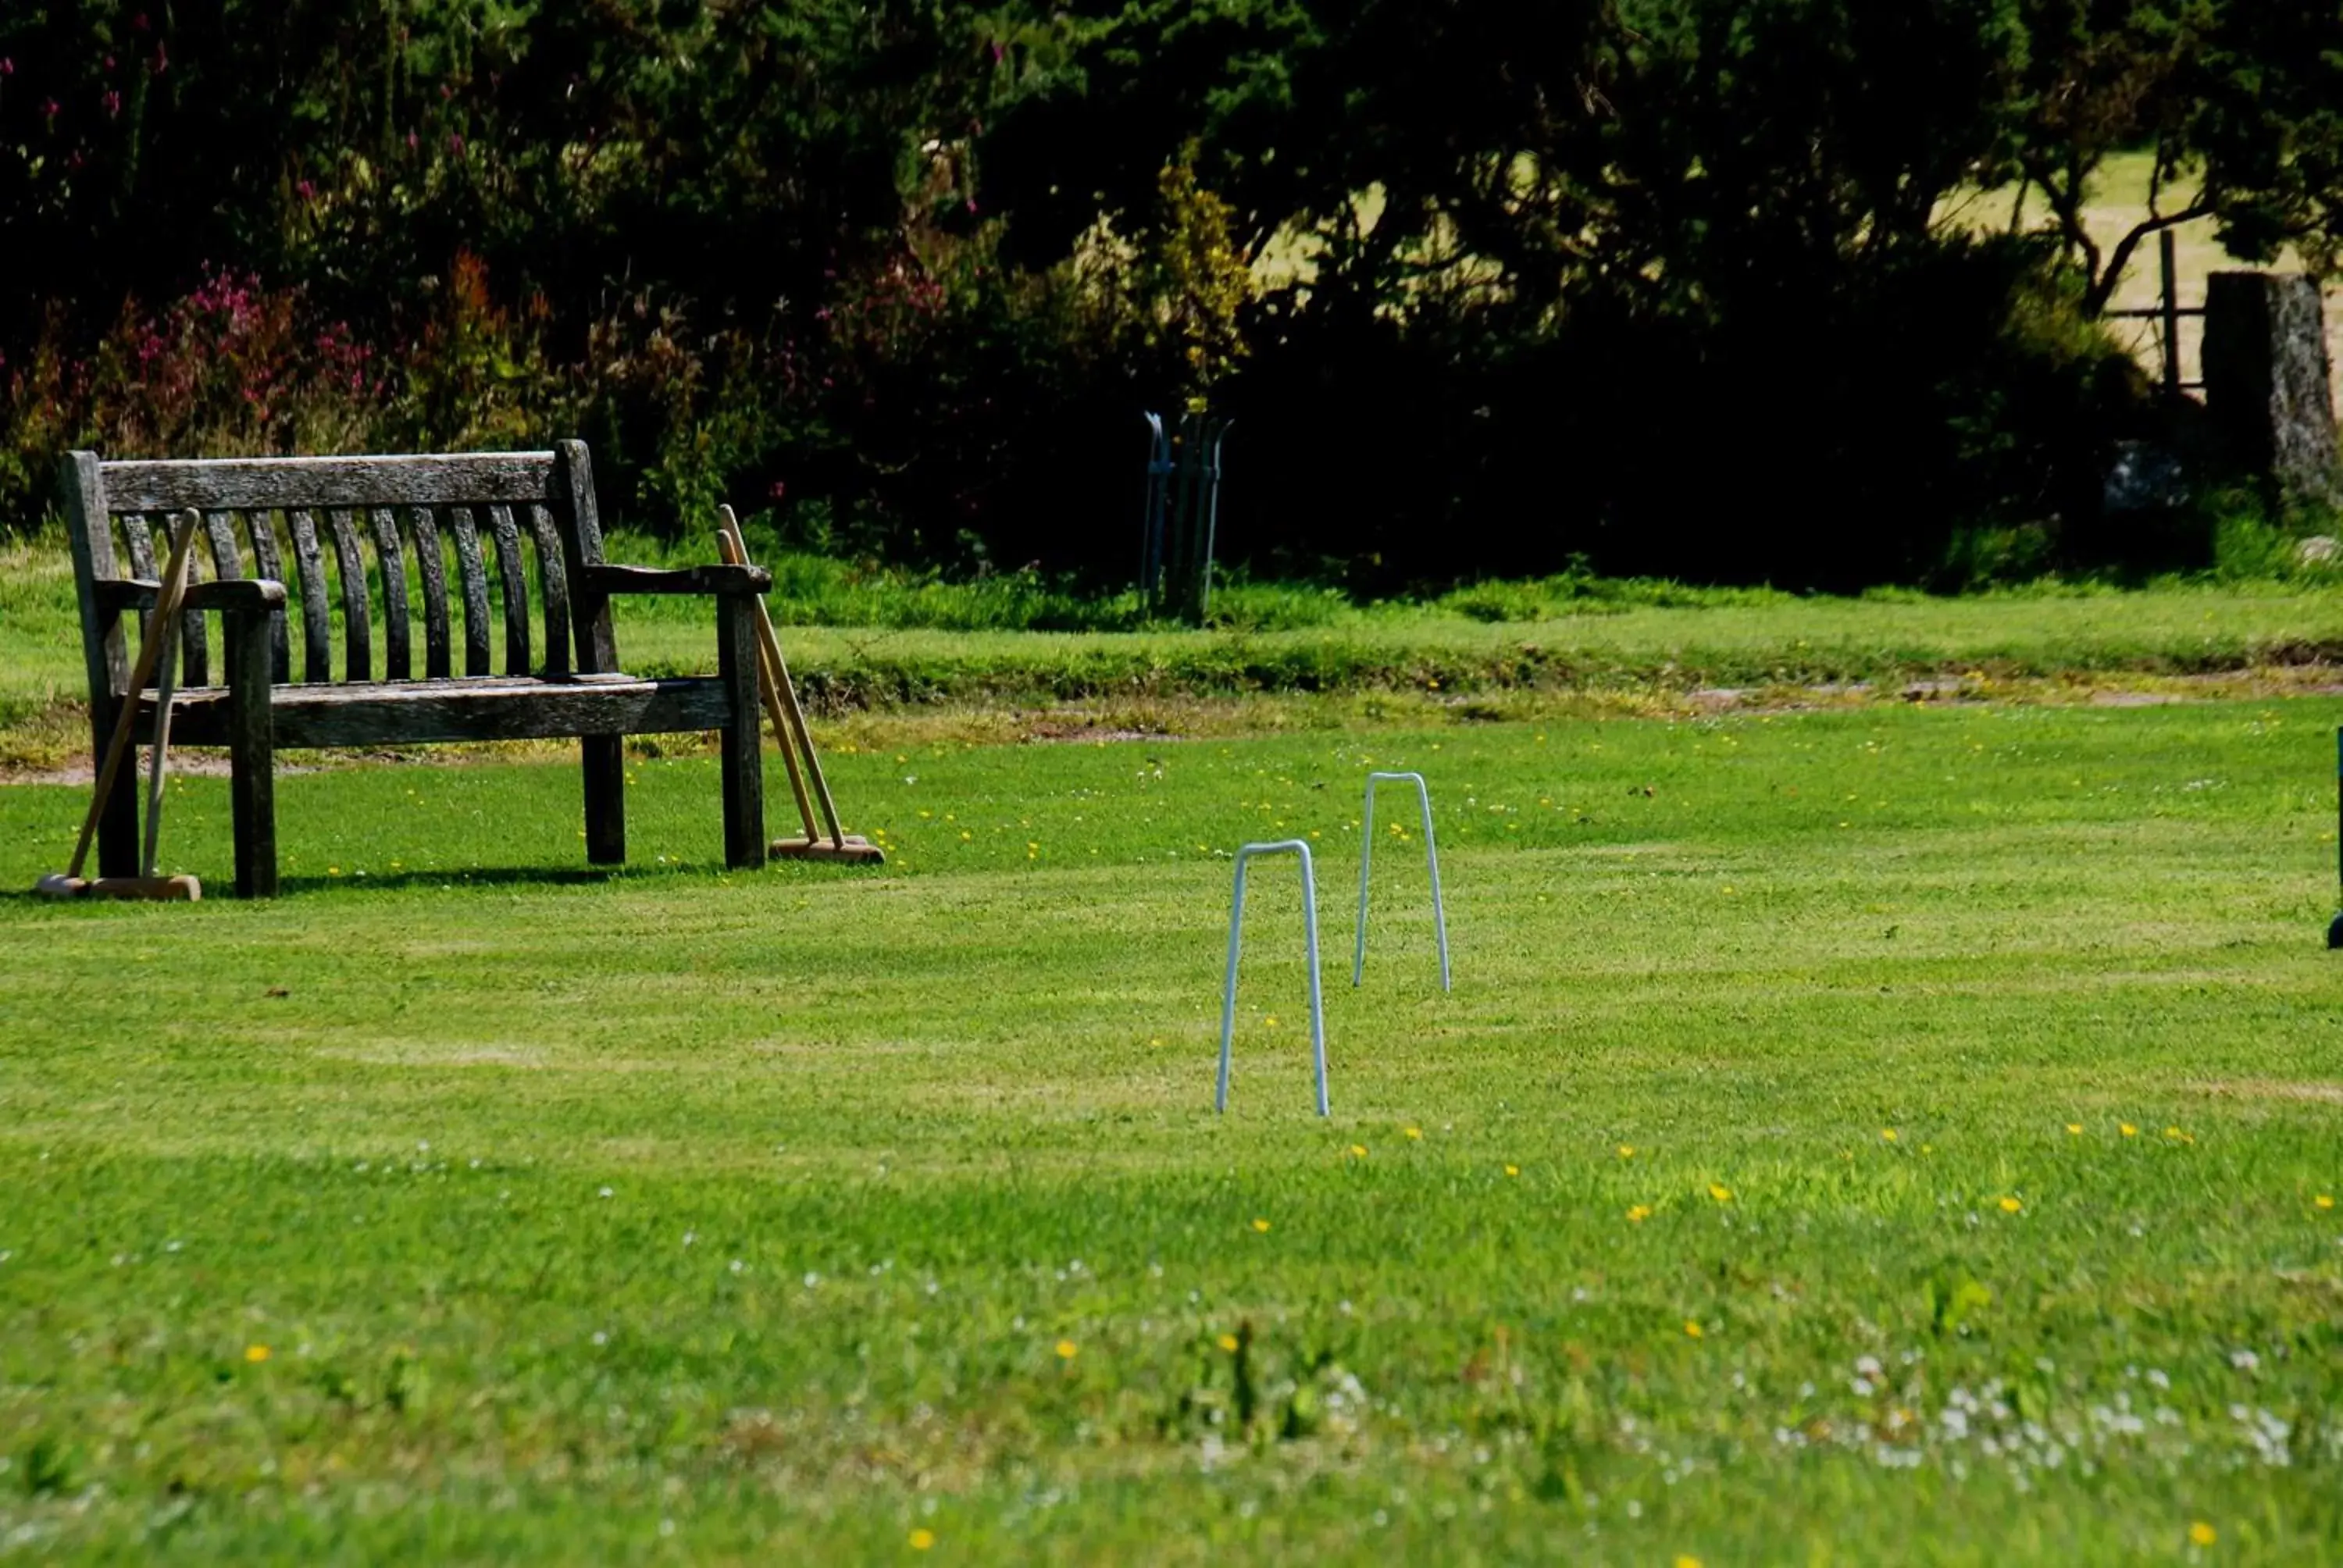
{"points": [[1367, 858], [1236, 945], [1151, 521]]}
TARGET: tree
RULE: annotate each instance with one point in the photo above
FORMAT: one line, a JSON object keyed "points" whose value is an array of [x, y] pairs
{"points": [[2238, 103]]}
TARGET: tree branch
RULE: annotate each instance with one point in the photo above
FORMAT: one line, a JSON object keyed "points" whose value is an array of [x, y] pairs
{"points": [[2067, 203], [2103, 289]]}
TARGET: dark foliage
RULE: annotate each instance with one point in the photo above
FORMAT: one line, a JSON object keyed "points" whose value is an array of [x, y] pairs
{"points": [[1675, 286]]}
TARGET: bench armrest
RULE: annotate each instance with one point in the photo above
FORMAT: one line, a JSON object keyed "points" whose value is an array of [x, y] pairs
{"points": [[117, 594], [726, 582]]}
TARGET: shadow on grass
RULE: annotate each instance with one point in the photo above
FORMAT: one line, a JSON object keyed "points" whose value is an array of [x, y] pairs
{"points": [[477, 876], [223, 890]]}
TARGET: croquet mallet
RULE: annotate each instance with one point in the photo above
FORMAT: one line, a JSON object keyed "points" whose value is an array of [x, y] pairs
{"points": [[789, 728], [156, 649]]}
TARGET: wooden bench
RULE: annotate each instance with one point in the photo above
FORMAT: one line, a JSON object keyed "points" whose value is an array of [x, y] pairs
{"points": [[325, 516]]}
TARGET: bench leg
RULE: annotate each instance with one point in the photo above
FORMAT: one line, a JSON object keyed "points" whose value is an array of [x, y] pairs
{"points": [[606, 800], [744, 758], [252, 754], [117, 824]]}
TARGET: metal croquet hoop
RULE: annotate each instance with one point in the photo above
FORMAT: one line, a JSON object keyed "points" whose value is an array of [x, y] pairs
{"points": [[1236, 945], [1366, 861]]}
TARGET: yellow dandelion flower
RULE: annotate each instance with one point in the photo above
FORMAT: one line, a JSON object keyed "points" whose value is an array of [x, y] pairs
{"points": [[1066, 1349], [1513, 1170], [1639, 1214], [2177, 1135], [1888, 1135], [256, 1353], [2324, 1201], [1692, 1330], [1271, 1022], [2011, 1205], [1415, 1133], [2074, 1128], [1626, 1151], [1683, 1559], [1260, 1225], [2127, 1129], [1229, 1344], [1157, 1039], [1721, 1192], [2203, 1535], [922, 1540], [1358, 1152]]}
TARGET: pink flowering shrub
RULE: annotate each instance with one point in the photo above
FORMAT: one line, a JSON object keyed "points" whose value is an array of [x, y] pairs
{"points": [[236, 368], [233, 369]]}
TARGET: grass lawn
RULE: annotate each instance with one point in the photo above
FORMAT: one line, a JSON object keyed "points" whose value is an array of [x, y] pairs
{"points": [[1874, 1135], [1399, 661]]}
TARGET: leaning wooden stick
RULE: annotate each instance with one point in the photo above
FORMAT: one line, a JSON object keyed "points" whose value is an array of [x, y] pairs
{"points": [[775, 671], [787, 690], [151, 645], [769, 683], [158, 752]]}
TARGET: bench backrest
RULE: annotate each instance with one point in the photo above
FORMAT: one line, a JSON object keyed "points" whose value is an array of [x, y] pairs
{"points": [[383, 529]]}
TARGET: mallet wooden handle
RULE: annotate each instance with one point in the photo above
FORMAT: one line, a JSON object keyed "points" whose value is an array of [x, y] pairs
{"points": [[174, 586], [769, 685], [158, 750], [738, 546]]}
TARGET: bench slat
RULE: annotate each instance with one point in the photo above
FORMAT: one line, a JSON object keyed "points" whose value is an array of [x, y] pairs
{"points": [[385, 481], [219, 531], [475, 589], [195, 643], [138, 541], [555, 577], [316, 609], [427, 712], [266, 562], [516, 581], [396, 664], [432, 566], [357, 637], [227, 564]]}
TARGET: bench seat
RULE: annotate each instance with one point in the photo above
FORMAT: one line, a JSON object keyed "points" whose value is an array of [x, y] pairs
{"points": [[426, 712]]}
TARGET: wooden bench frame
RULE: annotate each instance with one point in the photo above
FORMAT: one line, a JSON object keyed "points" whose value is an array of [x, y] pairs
{"points": [[404, 507]]}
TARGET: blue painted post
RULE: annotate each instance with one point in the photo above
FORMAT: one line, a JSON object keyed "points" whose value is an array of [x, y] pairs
{"points": [[1151, 521], [1180, 526], [1236, 945]]}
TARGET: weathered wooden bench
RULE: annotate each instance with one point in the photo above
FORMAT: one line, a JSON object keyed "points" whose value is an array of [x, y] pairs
{"points": [[492, 511]]}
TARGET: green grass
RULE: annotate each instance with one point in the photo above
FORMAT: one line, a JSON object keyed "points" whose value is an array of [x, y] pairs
{"points": [[1490, 650], [683, 1216]]}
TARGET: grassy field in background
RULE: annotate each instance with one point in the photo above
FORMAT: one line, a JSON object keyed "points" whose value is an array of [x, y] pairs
{"points": [[1490, 650], [1891, 1134]]}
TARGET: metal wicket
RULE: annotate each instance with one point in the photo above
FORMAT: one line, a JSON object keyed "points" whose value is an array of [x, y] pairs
{"points": [[1236, 945], [1366, 862]]}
